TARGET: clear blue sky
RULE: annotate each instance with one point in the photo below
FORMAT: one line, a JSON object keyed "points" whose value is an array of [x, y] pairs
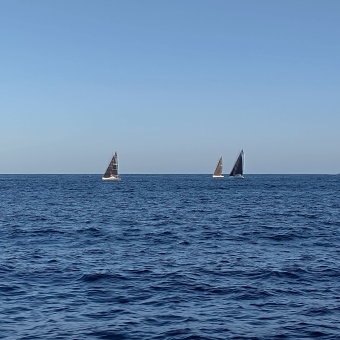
{"points": [[171, 85]]}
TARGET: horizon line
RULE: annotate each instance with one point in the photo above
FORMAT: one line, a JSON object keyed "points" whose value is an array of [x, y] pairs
{"points": [[166, 174]]}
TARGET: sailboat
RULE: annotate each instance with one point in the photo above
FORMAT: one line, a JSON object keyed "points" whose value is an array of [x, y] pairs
{"points": [[237, 170], [218, 170], [111, 172]]}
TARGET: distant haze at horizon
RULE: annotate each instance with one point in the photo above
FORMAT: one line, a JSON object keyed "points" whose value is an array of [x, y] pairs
{"points": [[171, 86]]}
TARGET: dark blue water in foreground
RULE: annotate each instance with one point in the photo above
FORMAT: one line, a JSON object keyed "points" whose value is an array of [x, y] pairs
{"points": [[169, 257]]}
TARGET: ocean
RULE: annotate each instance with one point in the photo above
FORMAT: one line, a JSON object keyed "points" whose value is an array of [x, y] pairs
{"points": [[169, 257]]}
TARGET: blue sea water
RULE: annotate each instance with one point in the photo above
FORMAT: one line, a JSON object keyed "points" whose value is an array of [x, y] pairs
{"points": [[169, 257]]}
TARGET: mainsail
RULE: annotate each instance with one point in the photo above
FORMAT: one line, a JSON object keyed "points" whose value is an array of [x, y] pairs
{"points": [[237, 169], [218, 170], [112, 169]]}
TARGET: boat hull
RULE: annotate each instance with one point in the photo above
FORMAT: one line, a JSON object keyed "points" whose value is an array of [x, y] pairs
{"points": [[112, 178], [218, 176], [238, 176]]}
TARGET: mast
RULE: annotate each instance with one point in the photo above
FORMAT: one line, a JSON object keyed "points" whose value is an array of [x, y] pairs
{"points": [[218, 170]]}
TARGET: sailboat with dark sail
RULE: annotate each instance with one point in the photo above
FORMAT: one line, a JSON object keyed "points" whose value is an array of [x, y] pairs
{"points": [[218, 170], [111, 172], [237, 170]]}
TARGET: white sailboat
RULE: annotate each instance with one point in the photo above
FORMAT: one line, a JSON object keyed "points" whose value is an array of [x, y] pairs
{"points": [[111, 172], [218, 170], [237, 170]]}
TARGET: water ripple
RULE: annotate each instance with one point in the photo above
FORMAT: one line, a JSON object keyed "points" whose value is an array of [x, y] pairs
{"points": [[169, 257]]}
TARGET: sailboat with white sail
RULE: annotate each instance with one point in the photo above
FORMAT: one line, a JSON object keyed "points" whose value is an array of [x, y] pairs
{"points": [[111, 172], [237, 170], [218, 170]]}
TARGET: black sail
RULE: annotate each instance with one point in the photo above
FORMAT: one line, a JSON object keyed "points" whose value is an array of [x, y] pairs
{"points": [[112, 169], [218, 170], [115, 164], [238, 166]]}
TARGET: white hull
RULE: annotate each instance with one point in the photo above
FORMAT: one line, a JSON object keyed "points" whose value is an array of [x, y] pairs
{"points": [[218, 176], [238, 176], [112, 178]]}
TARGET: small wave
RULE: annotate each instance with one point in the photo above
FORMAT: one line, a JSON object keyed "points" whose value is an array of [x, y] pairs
{"points": [[333, 223], [319, 311], [167, 233], [108, 335], [51, 231], [4, 269], [102, 276], [95, 231], [282, 237], [9, 289], [253, 295], [286, 274], [309, 216]]}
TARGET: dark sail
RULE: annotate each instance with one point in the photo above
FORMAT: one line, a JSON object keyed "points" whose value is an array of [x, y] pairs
{"points": [[112, 169], [238, 166], [218, 170]]}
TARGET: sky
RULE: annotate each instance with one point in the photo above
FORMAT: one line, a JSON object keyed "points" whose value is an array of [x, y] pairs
{"points": [[170, 85]]}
